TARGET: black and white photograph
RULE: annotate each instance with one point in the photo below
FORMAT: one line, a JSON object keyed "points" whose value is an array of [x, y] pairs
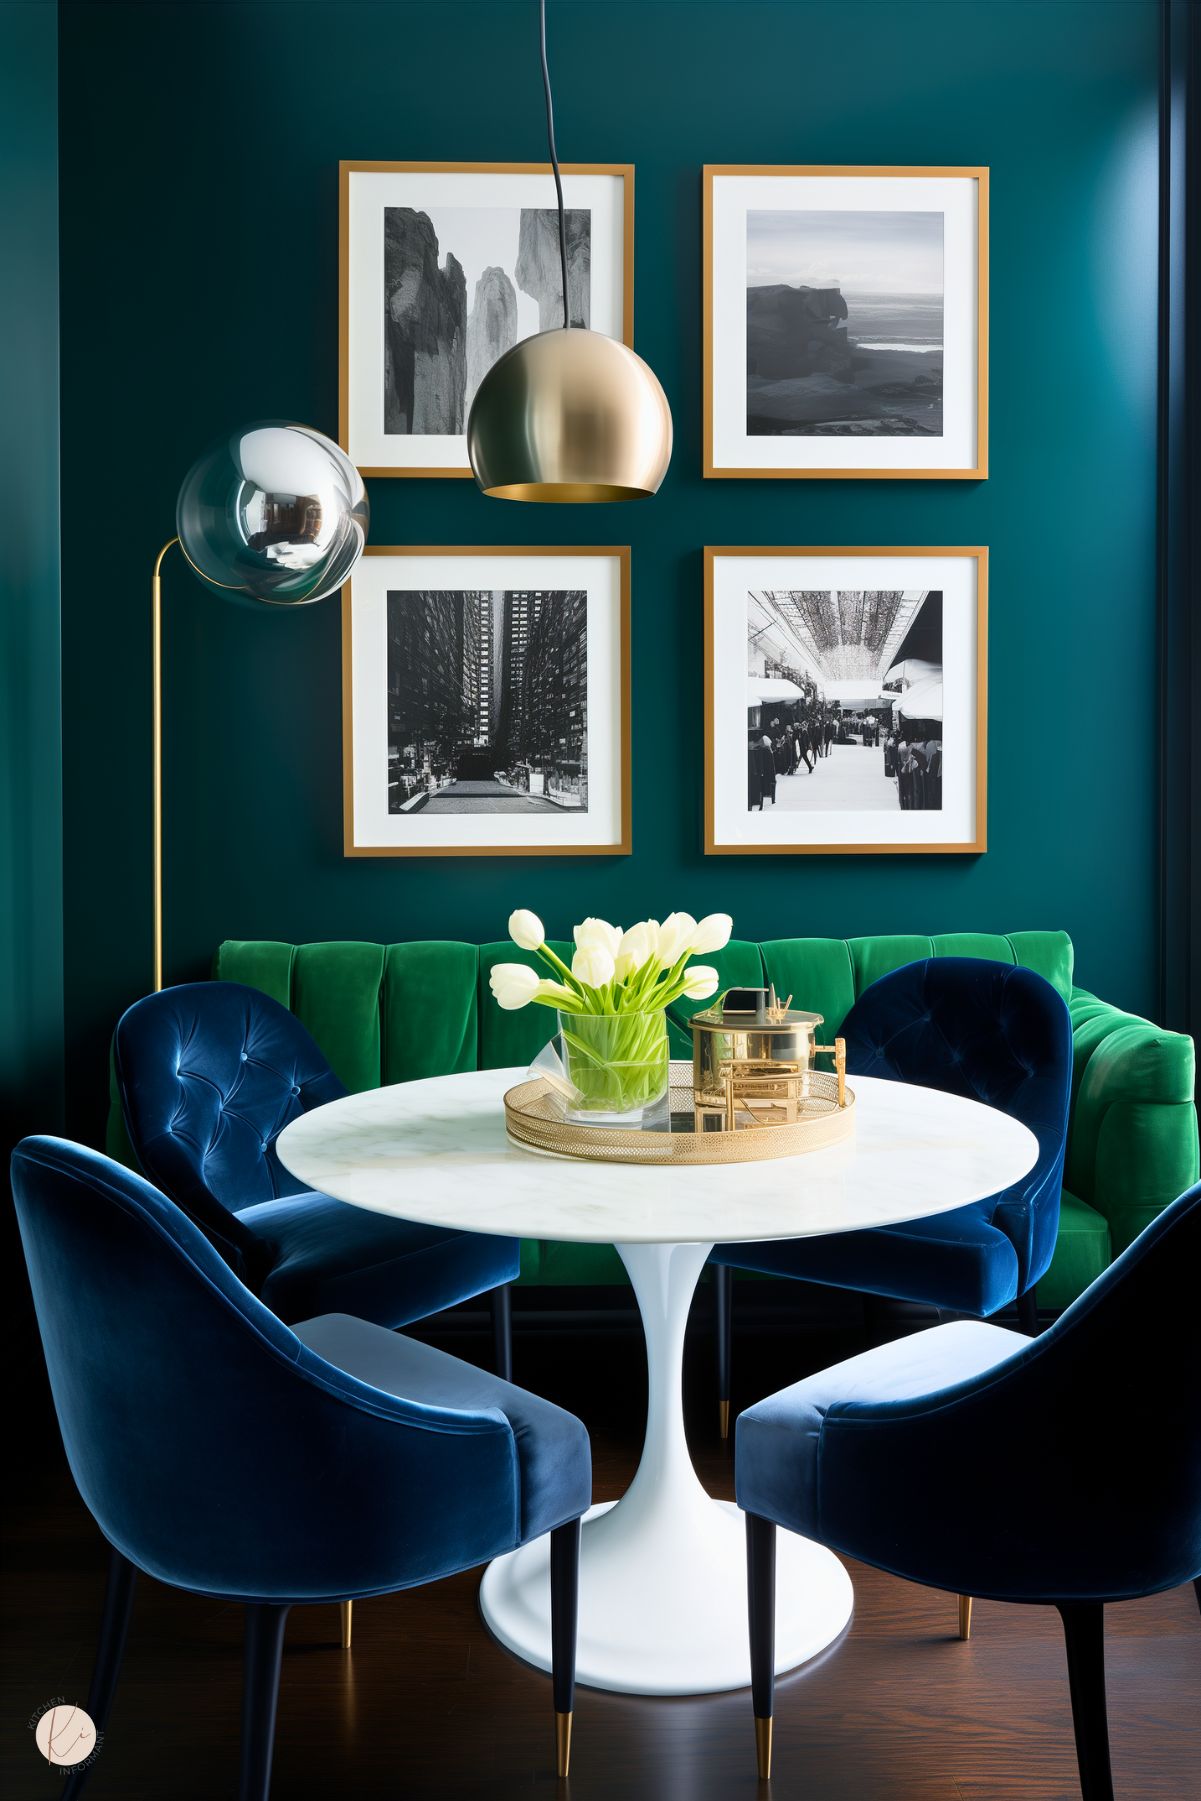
{"points": [[845, 699], [444, 268], [844, 321], [461, 286], [487, 701]]}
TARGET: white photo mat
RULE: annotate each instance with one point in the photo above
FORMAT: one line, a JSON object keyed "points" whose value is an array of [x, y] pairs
{"points": [[731, 449], [369, 827], [367, 193], [959, 823]]}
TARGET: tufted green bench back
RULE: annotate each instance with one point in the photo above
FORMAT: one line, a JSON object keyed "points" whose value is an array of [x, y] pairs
{"points": [[390, 1013]]}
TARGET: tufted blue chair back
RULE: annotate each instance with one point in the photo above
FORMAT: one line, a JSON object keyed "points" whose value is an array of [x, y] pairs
{"points": [[993, 1033], [209, 1075], [214, 1449]]}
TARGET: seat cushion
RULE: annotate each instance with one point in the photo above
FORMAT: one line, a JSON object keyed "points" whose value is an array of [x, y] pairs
{"points": [[553, 1452], [957, 1261], [778, 1441], [1082, 1251], [323, 1256]]}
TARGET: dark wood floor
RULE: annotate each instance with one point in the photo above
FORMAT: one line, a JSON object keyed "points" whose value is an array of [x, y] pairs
{"points": [[427, 1705]]}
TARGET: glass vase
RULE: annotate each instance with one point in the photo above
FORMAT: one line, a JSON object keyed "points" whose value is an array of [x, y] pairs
{"points": [[618, 1064]]}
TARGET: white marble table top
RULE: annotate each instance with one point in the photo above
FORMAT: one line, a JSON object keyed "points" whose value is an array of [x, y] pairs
{"points": [[436, 1151]]}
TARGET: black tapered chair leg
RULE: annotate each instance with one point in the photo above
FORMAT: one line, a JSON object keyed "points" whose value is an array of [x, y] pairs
{"points": [[723, 1294], [114, 1625], [1084, 1635], [761, 1616], [502, 1332], [1028, 1313], [261, 1658], [1197, 1589], [564, 1607]]}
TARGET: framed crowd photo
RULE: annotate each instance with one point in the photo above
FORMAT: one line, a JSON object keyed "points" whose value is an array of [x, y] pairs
{"points": [[846, 321], [486, 702], [444, 267], [845, 700]]}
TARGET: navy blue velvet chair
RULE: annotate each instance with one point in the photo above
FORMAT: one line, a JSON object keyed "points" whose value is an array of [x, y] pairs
{"points": [[226, 1454], [989, 1031], [893, 1458], [209, 1075]]}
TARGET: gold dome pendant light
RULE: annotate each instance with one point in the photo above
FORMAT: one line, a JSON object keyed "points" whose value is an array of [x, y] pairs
{"points": [[568, 415]]}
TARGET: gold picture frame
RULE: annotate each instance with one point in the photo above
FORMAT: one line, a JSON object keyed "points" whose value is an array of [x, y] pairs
{"points": [[347, 169], [977, 468], [974, 843], [619, 845]]}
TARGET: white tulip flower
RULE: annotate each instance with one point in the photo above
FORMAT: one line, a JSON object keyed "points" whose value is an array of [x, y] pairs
{"points": [[700, 982], [675, 937], [526, 930], [638, 946], [513, 985], [593, 966], [712, 934], [598, 934]]}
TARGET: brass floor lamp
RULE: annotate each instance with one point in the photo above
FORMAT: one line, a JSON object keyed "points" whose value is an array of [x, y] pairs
{"points": [[274, 514]]}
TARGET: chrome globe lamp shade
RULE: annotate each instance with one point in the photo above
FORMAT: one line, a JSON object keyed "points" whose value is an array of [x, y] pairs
{"points": [[568, 415], [273, 514]]}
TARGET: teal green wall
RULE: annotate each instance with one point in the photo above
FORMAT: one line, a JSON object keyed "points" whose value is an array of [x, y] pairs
{"points": [[200, 150], [31, 895]]}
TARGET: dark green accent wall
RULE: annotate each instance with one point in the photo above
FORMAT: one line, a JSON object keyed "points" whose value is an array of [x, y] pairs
{"points": [[31, 881], [200, 150]]}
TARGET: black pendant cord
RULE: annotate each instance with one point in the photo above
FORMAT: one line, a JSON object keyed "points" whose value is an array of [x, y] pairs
{"points": [[554, 158]]}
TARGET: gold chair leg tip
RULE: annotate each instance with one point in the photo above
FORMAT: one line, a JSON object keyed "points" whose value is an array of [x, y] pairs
{"points": [[965, 1616], [763, 1748], [723, 1418], [347, 1623], [562, 1744]]}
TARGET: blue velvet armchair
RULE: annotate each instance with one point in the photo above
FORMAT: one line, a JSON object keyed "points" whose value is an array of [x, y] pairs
{"points": [[991, 1032], [209, 1075], [892, 1458], [228, 1455]]}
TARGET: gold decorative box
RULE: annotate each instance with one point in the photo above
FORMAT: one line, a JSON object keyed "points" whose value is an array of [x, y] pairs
{"points": [[752, 1062]]}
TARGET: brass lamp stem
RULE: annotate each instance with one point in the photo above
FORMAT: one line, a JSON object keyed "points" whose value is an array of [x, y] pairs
{"points": [[156, 655]]}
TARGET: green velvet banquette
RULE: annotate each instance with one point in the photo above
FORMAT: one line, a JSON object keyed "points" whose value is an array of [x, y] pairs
{"points": [[391, 1013]]}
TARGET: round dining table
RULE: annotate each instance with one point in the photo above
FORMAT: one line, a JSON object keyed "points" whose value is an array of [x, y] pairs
{"points": [[662, 1598]]}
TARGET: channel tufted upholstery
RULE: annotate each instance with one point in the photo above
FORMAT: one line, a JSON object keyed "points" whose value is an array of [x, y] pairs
{"points": [[209, 1075], [974, 1028]]}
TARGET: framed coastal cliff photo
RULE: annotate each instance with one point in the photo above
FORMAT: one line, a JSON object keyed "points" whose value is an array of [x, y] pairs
{"points": [[444, 267], [846, 700], [486, 702], [846, 321]]}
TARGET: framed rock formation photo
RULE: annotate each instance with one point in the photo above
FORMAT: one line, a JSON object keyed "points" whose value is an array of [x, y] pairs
{"points": [[846, 321], [845, 700], [444, 267], [486, 702]]}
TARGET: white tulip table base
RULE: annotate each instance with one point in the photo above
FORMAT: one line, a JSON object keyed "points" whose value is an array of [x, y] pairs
{"points": [[662, 1602]]}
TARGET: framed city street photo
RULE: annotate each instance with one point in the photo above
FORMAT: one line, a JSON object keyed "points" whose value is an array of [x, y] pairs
{"points": [[486, 702], [444, 267], [845, 700], [846, 321]]}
